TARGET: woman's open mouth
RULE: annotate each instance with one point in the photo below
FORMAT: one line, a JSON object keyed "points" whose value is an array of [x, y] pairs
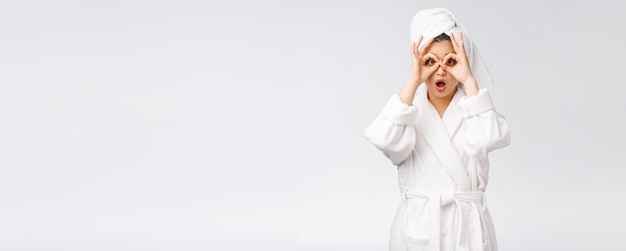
{"points": [[440, 85]]}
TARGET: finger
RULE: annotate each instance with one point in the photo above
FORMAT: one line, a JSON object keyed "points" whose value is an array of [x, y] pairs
{"points": [[426, 46], [416, 50], [462, 42], [416, 45], [419, 39], [458, 46], [429, 71], [431, 55], [446, 63], [432, 69], [454, 44], [452, 56]]}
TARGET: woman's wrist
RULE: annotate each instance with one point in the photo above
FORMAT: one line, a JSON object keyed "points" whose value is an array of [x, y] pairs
{"points": [[413, 80], [414, 74], [471, 86]]}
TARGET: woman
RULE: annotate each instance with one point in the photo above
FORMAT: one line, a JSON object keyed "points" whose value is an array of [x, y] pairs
{"points": [[441, 142]]}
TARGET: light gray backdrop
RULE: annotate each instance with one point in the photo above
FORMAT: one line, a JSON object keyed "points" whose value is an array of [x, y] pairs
{"points": [[195, 125]]}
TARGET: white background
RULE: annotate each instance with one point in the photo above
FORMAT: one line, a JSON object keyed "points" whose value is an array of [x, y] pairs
{"points": [[192, 125]]}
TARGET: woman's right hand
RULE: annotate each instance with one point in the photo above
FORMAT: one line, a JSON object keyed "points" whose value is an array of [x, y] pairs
{"points": [[424, 63]]}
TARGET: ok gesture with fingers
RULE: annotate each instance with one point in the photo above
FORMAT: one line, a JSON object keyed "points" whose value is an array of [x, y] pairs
{"points": [[424, 65], [457, 64]]}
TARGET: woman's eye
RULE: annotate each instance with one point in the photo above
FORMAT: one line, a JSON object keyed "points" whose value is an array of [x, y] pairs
{"points": [[430, 61], [451, 62]]}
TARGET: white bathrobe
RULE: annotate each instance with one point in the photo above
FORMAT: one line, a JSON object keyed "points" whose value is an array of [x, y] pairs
{"points": [[442, 170]]}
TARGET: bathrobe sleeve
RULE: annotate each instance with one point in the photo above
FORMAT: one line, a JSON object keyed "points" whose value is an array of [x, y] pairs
{"points": [[393, 131], [485, 129]]}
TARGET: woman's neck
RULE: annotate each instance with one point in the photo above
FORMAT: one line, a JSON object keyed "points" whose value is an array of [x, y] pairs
{"points": [[440, 104]]}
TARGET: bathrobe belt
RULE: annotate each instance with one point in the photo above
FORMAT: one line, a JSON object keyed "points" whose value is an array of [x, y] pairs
{"points": [[437, 200]]}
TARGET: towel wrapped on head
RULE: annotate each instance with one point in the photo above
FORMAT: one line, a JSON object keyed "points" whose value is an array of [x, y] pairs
{"points": [[433, 22]]}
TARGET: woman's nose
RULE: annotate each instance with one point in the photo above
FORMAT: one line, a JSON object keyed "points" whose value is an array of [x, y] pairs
{"points": [[441, 71]]}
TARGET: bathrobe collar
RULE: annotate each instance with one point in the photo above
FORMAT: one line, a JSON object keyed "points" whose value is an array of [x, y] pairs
{"points": [[438, 133]]}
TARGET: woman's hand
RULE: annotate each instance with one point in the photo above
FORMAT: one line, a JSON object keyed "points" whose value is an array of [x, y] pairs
{"points": [[424, 64], [457, 64]]}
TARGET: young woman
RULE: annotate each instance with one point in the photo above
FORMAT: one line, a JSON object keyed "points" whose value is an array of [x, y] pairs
{"points": [[439, 130]]}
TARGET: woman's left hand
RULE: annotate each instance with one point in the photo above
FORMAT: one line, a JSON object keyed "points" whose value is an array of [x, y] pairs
{"points": [[456, 63]]}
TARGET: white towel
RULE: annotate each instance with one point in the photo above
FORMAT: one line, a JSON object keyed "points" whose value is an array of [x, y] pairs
{"points": [[432, 22]]}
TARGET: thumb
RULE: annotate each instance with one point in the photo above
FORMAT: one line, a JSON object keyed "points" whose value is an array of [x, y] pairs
{"points": [[430, 70]]}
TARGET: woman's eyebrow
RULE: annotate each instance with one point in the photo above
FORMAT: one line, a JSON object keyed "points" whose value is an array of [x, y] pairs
{"points": [[432, 54]]}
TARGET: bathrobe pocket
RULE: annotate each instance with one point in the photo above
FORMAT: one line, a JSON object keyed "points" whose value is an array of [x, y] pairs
{"points": [[416, 233]]}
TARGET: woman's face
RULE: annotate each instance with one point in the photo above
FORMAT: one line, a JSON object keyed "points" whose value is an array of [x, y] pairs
{"points": [[441, 84]]}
